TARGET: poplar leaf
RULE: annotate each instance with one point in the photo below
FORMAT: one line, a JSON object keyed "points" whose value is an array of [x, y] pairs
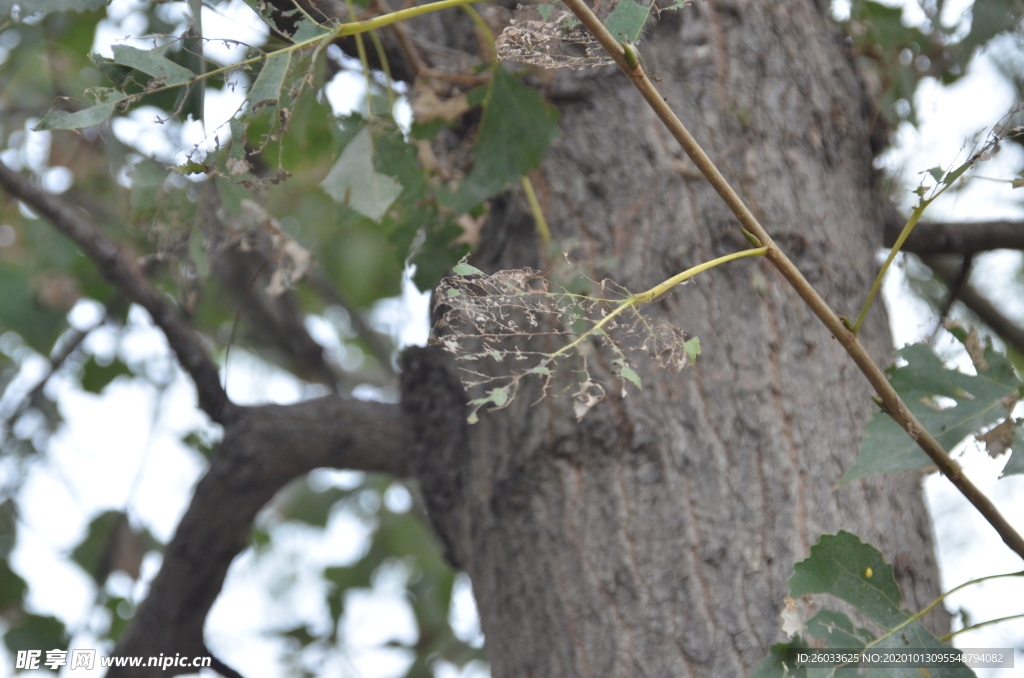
{"points": [[353, 181], [267, 88], [692, 348], [838, 565], [978, 401], [843, 566], [153, 64], [629, 374], [462, 268], [1015, 466], [87, 117], [627, 20], [515, 130]]}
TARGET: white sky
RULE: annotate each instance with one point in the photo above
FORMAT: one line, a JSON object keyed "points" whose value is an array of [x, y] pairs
{"points": [[122, 448]]}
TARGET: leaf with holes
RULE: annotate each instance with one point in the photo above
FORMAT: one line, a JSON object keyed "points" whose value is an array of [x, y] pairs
{"points": [[978, 401]]}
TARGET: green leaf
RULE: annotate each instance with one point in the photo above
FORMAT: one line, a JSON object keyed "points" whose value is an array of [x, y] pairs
{"points": [[937, 174], [1015, 465], [627, 20], [979, 401], [777, 664], [309, 506], [307, 30], [36, 632], [353, 181], [847, 568], [92, 554], [95, 376], [267, 88], [633, 377], [692, 348], [462, 268], [107, 100], [843, 566], [515, 130], [836, 630], [37, 7], [12, 587], [152, 63]]}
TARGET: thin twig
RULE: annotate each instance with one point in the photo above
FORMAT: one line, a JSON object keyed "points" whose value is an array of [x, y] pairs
{"points": [[894, 406]]}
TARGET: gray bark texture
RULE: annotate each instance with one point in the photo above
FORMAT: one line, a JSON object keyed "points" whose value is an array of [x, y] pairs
{"points": [[655, 537]]}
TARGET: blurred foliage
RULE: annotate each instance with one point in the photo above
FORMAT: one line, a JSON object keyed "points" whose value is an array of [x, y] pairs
{"points": [[895, 56], [289, 209]]}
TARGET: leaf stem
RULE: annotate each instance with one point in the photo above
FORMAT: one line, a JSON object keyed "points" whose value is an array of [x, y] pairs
{"points": [[904, 234], [932, 605], [538, 214], [946, 638], [658, 290], [653, 293], [894, 405]]}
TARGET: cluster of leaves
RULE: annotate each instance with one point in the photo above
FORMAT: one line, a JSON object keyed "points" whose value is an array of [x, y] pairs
{"points": [[516, 323], [899, 56], [399, 539], [844, 567], [951, 405]]}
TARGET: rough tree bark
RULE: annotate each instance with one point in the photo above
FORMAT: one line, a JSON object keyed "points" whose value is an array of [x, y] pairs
{"points": [[656, 537]]}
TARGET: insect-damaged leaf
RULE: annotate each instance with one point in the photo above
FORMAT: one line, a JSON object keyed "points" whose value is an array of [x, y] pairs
{"points": [[354, 181], [516, 128], [152, 64], [107, 100], [840, 565], [843, 566], [267, 88], [979, 401]]}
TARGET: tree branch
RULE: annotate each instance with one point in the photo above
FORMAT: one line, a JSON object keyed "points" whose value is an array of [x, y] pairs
{"points": [[958, 237], [947, 268], [263, 449], [123, 271]]}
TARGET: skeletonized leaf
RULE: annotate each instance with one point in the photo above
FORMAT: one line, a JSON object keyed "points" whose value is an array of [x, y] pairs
{"points": [[267, 88], [87, 117], [152, 63], [354, 181], [979, 401], [516, 128]]}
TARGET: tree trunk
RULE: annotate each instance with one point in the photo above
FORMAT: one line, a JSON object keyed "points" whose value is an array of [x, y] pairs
{"points": [[656, 536]]}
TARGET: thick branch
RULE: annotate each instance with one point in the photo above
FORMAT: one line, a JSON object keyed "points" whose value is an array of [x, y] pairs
{"points": [[263, 449], [947, 268], [958, 238], [123, 271]]}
